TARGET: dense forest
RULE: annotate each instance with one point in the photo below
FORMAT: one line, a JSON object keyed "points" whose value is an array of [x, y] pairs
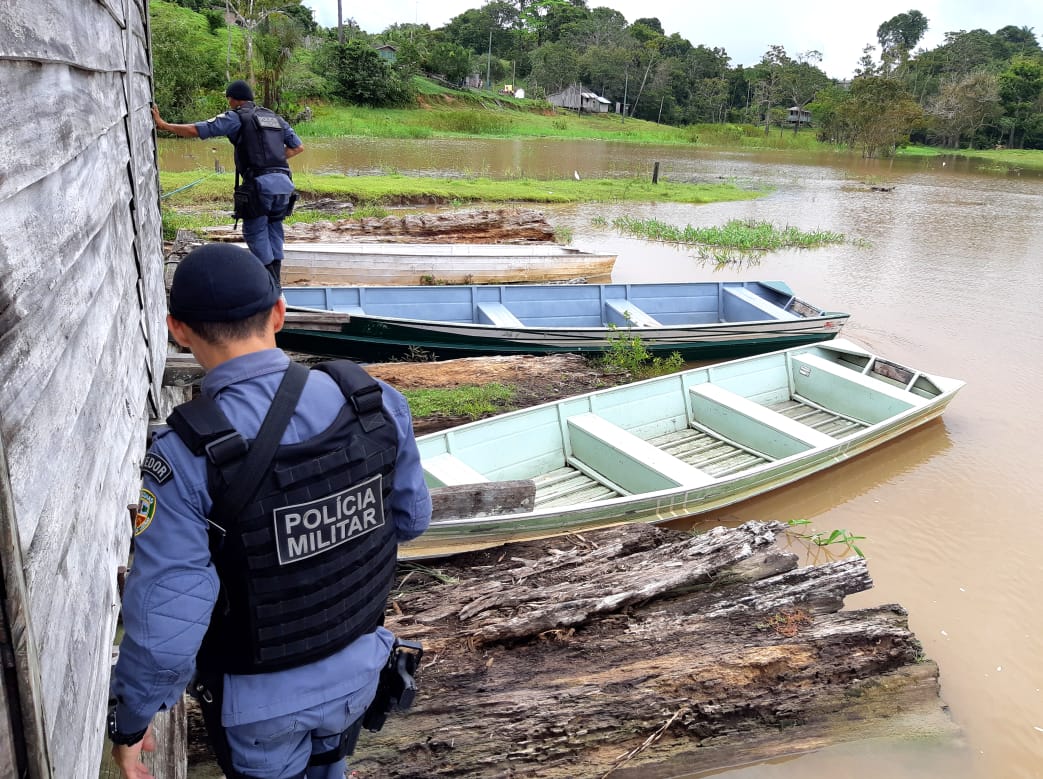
{"points": [[978, 89]]}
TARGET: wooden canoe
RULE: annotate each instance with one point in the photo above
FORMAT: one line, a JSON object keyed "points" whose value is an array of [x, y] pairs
{"points": [[419, 263], [698, 320], [670, 447]]}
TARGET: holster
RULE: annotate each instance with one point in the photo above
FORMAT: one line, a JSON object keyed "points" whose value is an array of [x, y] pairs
{"points": [[397, 688], [246, 199]]}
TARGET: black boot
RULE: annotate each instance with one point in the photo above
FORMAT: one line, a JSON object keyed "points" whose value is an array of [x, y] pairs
{"points": [[275, 268]]}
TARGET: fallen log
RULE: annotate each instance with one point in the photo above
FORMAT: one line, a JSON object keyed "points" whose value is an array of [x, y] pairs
{"points": [[645, 652], [500, 225]]}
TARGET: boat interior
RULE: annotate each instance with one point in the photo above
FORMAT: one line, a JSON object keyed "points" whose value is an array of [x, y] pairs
{"points": [[563, 305], [690, 429]]}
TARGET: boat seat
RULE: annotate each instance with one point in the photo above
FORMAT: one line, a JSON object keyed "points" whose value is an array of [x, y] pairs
{"points": [[752, 425], [740, 304], [848, 392], [626, 460], [445, 470], [497, 314], [623, 313]]}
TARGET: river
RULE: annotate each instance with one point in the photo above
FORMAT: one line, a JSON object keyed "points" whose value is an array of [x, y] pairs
{"points": [[942, 272]]}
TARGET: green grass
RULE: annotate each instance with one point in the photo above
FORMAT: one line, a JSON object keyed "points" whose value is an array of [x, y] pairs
{"points": [[449, 113], [472, 402], [397, 189]]}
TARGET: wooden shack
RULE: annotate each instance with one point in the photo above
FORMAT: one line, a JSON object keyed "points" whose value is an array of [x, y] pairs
{"points": [[576, 98], [82, 349]]}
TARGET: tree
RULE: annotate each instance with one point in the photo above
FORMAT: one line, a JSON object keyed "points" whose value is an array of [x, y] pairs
{"points": [[898, 36], [451, 61], [1021, 88], [768, 83], [1019, 40], [963, 106], [186, 60], [555, 66], [277, 38], [879, 115], [359, 75], [251, 14]]}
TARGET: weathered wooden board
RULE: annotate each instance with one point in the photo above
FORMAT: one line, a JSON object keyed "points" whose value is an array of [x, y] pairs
{"points": [[644, 652], [486, 499], [81, 33], [82, 343], [24, 653]]}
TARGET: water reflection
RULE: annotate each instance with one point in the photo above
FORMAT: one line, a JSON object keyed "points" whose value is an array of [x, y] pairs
{"points": [[827, 491]]}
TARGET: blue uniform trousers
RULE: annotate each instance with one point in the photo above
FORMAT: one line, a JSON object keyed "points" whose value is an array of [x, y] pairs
{"points": [[280, 747], [264, 234]]}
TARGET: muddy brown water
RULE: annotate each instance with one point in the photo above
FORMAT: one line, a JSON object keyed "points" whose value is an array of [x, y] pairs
{"points": [[942, 273]]}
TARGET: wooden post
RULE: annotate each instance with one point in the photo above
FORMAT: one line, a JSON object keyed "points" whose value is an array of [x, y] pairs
{"points": [[655, 173]]}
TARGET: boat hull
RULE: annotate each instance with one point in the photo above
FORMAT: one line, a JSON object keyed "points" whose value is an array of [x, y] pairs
{"points": [[698, 320], [644, 422], [372, 340]]}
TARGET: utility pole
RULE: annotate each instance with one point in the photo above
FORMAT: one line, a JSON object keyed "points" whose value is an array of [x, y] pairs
{"points": [[626, 83], [340, 22], [228, 54], [489, 62]]}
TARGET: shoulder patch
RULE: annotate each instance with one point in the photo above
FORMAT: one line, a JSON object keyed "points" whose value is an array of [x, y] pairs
{"points": [[155, 466], [146, 511]]}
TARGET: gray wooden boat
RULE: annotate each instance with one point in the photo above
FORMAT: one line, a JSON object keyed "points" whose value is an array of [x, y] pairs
{"points": [[668, 447], [698, 320]]}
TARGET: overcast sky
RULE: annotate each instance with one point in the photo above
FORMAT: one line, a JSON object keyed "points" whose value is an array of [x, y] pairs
{"points": [[745, 30]]}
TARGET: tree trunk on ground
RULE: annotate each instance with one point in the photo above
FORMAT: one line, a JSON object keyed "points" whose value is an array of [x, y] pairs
{"points": [[644, 652], [502, 225]]}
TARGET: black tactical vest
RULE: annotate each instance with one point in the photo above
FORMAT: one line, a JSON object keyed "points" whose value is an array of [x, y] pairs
{"points": [[260, 147], [307, 565]]}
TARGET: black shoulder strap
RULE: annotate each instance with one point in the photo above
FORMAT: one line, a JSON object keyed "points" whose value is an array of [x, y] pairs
{"points": [[205, 429], [258, 460], [360, 389]]}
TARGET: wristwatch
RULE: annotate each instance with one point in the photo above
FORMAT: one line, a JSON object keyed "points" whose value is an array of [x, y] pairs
{"points": [[119, 738]]}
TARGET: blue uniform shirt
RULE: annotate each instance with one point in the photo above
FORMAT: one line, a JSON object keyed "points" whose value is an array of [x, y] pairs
{"points": [[228, 124], [172, 586]]}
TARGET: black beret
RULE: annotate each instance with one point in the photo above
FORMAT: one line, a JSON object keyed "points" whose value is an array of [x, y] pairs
{"points": [[239, 90], [221, 282]]}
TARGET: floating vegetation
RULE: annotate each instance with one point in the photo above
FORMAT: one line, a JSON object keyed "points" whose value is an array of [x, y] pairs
{"points": [[739, 239]]}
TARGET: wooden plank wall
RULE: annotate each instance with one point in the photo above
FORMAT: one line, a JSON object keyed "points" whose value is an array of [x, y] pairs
{"points": [[82, 343]]}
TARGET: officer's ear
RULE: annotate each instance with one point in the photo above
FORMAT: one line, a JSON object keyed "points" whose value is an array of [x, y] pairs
{"points": [[180, 331], [278, 314]]}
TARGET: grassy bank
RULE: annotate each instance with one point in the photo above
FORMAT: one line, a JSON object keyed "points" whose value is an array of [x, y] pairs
{"points": [[448, 113], [190, 199], [396, 189]]}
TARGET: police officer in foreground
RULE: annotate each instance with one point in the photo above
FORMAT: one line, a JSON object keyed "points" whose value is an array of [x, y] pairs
{"points": [[265, 539], [263, 142]]}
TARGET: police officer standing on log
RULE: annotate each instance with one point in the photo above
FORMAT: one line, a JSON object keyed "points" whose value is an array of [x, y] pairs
{"points": [[263, 144], [265, 540]]}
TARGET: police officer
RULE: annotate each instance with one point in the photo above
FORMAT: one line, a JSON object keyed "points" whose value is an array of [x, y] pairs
{"points": [[263, 144], [265, 539]]}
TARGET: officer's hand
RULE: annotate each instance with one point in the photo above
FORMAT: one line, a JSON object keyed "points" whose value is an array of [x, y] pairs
{"points": [[128, 759], [155, 114]]}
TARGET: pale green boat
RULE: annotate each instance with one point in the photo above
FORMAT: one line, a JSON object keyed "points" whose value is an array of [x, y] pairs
{"points": [[669, 447]]}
